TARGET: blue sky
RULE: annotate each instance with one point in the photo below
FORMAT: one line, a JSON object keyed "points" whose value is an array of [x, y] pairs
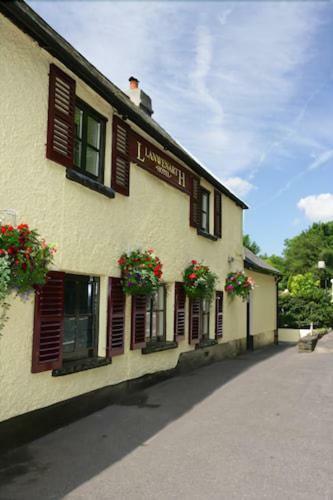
{"points": [[245, 86]]}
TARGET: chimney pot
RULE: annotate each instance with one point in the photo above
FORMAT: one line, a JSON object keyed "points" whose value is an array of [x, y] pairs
{"points": [[140, 98]]}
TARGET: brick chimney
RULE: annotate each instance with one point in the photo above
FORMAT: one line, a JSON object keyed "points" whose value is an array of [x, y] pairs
{"points": [[140, 98]]}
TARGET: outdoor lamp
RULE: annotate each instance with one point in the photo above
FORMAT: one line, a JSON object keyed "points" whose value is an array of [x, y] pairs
{"points": [[322, 266]]}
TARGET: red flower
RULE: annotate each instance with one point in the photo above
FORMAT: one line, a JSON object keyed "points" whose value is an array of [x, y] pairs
{"points": [[23, 226], [24, 266], [192, 276], [3, 229], [11, 250], [194, 262], [2, 252]]}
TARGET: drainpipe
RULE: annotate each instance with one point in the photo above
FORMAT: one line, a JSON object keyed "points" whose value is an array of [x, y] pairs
{"points": [[276, 333]]}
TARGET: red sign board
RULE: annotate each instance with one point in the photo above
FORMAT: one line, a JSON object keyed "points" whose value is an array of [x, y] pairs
{"points": [[158, 163]]}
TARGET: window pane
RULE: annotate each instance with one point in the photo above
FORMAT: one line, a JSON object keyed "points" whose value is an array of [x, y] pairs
{"points": [[78, 122], [153, 325], [204, 221], [160, 298], [85, 296], [84, 333], [69, 334], [70, 296], [77, 153], [148, 324], [92, 161], [205, 326], [205, 202], [93, 132], [160, 324]]}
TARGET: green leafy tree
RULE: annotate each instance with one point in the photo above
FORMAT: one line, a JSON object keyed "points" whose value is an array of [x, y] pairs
{"points": [[303, 252], [305, 286], [251, 244]]}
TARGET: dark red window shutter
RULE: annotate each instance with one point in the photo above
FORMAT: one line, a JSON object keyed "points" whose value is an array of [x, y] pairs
{"points": [[194, 327], [194, 202], [219, 314], [60, 128], [48, 324], [179, 320], [116, 318], [139, 307], [217, 214], [120, 156]]}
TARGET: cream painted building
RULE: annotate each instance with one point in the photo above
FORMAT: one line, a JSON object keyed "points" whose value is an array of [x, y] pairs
{"points": [[96, 175]]}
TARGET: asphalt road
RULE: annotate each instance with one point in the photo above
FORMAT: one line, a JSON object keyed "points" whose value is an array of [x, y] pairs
{"points": [[256, 427]]}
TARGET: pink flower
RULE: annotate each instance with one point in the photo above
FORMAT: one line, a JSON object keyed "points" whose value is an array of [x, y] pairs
{"points": [[230, 287]]}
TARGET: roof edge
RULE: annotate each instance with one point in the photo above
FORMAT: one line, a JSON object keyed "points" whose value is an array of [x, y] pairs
{"points": [[26, 19]]}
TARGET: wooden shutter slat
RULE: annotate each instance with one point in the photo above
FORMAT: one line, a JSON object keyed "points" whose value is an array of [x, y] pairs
{"points": [[194, 327], [138, 334], [217, 214], [60, 128], [219, 315], [48, 324], [194, 202], [179, 317], [120, 177], [116, 318]]}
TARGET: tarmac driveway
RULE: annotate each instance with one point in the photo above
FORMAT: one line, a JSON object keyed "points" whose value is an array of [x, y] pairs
{"points": [[259, 426]]}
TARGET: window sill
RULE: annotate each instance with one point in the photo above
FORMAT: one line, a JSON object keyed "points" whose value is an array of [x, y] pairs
{"points": [[82, 179], [207, 235], [80, 366], [159, 346], [206, 343]]}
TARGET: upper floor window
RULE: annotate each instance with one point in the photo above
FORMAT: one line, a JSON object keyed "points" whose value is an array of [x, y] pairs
{"points": [[155, 316], [89, 141], [204, 210]]}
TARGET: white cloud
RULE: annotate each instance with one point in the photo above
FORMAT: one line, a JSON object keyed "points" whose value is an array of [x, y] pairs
{"points": [[240, 187], [317, 207]]}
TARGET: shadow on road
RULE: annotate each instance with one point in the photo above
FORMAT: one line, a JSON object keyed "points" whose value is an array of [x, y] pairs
{"points": [[54, 465]]}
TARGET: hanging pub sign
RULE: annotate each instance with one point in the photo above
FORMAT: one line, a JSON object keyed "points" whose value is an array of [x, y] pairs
{"points": [[156, 162]]}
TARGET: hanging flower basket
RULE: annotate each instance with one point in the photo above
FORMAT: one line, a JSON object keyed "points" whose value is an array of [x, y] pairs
{"points": [[141, 272], [199, 281], [24, 262], [238, 284]]}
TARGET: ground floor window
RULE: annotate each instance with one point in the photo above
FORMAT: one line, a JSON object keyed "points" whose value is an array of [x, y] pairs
{"points": [[199, 320], [81, 299], [205, 309], [156, 317]]}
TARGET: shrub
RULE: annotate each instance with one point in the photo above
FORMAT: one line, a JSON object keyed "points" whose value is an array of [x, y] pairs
{"points": [[299, 312]]}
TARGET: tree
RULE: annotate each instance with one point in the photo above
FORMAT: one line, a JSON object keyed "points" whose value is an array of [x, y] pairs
{"points": [[305, 286], [251, 244], [303, 252]]}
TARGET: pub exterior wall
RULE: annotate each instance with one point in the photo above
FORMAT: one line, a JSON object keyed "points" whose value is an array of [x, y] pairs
{"points": [[91, 231], [263, 308]]}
